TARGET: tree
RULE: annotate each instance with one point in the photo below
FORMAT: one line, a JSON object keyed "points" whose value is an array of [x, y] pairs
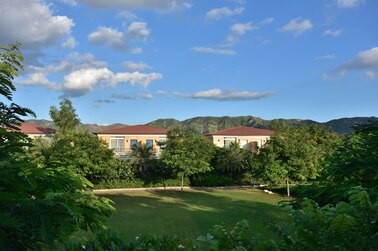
{"points": [[232, 159], [65, 118], [39, 205], [355, 161], [187, 153], [80, 150], [10, 63], [83, 152], [295, 154], [140, 154]]}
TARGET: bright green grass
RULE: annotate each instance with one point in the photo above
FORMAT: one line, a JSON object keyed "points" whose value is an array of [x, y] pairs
{"points": [[189, 214]]}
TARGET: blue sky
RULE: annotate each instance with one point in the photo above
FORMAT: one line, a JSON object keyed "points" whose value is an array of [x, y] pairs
{"points": [[134, 61]]}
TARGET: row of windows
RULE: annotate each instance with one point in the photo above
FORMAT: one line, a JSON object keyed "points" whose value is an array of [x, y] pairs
{"points": [[118, 143]]}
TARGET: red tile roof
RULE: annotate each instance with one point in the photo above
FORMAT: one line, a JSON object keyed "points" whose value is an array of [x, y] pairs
{"points": [[243, 131], [138, 129], [34, 129]]}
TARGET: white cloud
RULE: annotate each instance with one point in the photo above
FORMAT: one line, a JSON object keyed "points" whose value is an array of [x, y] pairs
{"points": [[348, 3], [69, 2], [135, 78], [32, 23], [297, 26], [79, 82], [267, 21], [135, 66], [218, 13], [146, 96], [82, 73], [364, 61], [162, 5], [328, 56], [110, 37], [372, 74], [119, 40], [332, 33], [238, 30], [102, 101], [122, 96], [39, 78], [220, 95], [213, 51], [70, 43], [241, 2], [74, 61], [127, 15], [138, 30]]}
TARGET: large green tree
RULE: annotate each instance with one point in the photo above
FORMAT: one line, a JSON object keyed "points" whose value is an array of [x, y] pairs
{"points": [[65, 118], [78, 149], [295, 154], [83, 152], [187, 153], [39, 205]]}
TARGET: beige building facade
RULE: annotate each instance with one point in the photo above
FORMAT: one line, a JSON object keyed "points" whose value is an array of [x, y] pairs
{"points": [[248, 138], [122, 140]]}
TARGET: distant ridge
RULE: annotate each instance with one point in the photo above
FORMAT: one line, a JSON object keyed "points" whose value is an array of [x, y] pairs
{"points": [[89, 127], [212, 124]]}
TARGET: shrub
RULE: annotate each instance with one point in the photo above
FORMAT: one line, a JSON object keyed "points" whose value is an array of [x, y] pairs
{"points": [[210, 180]]}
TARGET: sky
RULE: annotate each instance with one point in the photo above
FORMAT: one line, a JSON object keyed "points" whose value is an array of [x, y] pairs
{"points": [[134, 61]]}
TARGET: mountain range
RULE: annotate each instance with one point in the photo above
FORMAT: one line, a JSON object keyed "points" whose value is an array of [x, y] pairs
{"points": [[212, 124]]}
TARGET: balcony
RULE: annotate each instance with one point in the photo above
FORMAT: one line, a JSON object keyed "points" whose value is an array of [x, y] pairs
{"points": [[126, 152]]}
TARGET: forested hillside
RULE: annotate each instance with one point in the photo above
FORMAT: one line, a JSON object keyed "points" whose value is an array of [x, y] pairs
{"points": [[212, 124]]}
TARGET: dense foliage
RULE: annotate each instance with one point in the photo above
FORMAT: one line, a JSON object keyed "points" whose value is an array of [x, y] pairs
{"points": [[39, 205], [294, 154], [65, 118], [355, 161], [187, 153]]}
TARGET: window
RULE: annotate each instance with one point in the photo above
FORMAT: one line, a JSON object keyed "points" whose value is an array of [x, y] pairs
{"points": [[133, 143], [228, 141], [118, 144], [149, 143], [161, 141]]}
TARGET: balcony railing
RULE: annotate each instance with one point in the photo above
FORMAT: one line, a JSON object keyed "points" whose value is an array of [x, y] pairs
{"points": [[126, 152]]}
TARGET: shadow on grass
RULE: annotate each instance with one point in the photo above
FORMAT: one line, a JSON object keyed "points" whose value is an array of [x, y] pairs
{"points": [[188, 214]]}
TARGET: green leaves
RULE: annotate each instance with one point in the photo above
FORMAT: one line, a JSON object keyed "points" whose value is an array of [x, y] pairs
{"points": [[345, 226], [295, 154], [39, 204], [65, 118], [355, 161], [187, 152]]}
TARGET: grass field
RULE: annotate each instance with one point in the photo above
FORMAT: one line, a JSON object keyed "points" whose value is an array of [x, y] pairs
{"points": [[189, 214]]}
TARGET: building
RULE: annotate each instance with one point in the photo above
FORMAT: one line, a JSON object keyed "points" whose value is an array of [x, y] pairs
{"points": [[123, 139], [247, 137], [34, 131]]}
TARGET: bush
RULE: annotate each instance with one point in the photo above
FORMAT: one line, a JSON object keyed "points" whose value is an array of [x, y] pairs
{"points": [[210, 180], [139, 183]]}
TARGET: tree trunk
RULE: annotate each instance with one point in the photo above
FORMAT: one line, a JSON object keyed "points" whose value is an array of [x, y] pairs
{"points": [[288, 187], [182, 182]]}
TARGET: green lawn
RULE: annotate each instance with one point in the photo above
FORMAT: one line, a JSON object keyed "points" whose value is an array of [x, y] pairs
{"points": [[189, 214]]}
